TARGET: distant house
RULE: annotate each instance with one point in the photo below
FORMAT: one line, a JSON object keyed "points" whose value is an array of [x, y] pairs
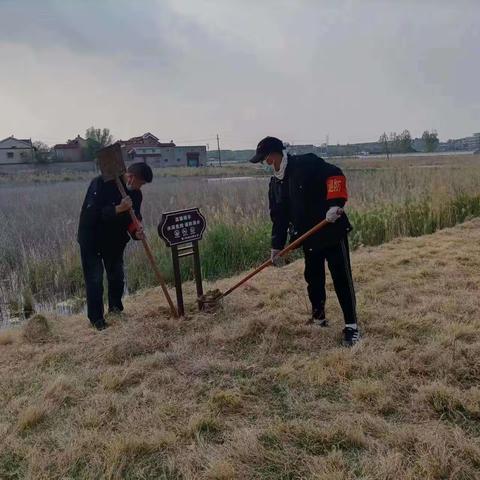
{"points": [[148, 148], [301, 149], [475, 141], [466, 144], [15, 150], [72, 151]]}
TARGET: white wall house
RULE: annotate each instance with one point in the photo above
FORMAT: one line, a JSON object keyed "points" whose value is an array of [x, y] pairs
{"points": [[170, 156], [147, 148], [14, 150]]}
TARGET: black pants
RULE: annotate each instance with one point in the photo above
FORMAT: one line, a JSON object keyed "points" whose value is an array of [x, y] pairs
{"points": [[93, 264], [338, 258]]}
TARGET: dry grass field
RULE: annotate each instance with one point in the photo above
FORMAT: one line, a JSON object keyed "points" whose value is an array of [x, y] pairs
{"points": [[251, 392], [42, 174]]}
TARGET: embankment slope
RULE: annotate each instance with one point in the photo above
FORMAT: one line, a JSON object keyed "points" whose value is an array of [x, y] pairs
{"points": [[252, 392]]}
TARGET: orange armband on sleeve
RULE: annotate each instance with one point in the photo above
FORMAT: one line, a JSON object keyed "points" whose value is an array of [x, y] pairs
{"points": [[337, 187]]}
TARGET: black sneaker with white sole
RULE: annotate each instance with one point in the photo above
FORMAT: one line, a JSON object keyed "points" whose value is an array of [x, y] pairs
{"points": [[351, 336]]}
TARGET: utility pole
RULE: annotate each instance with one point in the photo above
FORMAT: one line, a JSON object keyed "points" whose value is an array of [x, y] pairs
{"points": [[219, 155], [384, 138]]}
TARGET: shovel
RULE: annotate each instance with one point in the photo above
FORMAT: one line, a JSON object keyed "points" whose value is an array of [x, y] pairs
{"points": [[112, 167], [211, 299]]}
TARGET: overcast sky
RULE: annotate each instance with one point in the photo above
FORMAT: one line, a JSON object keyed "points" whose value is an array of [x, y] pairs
{"points": [[187, 69]]}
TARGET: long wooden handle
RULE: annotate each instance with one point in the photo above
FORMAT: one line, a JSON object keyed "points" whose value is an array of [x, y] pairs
{"points": [[149, 253], [296, 243]]}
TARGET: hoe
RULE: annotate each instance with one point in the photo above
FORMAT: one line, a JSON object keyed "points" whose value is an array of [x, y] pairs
{"points": [[211, 299]]}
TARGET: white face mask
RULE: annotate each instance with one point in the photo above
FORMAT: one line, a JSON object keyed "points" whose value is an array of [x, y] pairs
{"points": [[280, 173]]}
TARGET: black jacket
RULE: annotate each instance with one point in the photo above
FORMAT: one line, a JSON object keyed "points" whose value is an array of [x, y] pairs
{"points": [[298, 202], [99, 226]]}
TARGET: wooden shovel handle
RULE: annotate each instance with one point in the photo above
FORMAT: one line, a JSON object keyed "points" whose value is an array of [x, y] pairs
{"points": [[149, 253], [296, 243]]}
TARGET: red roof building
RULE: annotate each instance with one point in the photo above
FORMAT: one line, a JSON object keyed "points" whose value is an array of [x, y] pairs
{"points": [[148, 148], [72, 151]]}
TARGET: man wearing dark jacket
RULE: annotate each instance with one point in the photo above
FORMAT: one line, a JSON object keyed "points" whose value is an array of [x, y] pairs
{"points": [[303, 191], [104, 230]]}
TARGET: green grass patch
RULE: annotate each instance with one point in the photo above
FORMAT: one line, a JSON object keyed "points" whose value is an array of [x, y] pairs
{"points": [[12, 465]]}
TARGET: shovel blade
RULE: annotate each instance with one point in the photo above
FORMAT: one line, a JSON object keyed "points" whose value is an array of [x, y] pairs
{"points": [[210, 301], [110, 162]]}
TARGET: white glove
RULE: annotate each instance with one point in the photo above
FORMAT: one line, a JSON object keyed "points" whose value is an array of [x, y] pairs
{"points": [[333, 214], [276, 260]]}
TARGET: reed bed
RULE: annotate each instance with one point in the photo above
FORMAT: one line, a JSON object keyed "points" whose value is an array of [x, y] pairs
{"points": [[39, 255]]}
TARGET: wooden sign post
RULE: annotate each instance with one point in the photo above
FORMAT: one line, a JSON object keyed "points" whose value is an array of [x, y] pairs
{"points": [[181, 231]]}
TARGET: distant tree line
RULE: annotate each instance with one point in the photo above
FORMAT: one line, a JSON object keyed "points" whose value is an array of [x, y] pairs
{"points": [[403, 142], [397, 143], [96, 138], [387, 144], [393, 142]]}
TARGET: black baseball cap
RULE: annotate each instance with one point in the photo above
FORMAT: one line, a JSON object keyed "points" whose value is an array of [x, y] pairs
{"points": [[266, 146]]}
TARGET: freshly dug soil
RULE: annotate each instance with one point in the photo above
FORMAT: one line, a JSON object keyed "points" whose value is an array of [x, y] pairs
{"points": [[211, 300]]}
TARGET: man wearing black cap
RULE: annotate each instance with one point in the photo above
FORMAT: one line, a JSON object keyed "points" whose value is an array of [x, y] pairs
{"points": [[303, 191], [104, 230]]}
